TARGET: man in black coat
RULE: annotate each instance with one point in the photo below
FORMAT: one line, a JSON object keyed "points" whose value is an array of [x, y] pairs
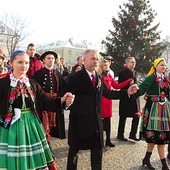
{"points": [[85, 123], [129, 106]]}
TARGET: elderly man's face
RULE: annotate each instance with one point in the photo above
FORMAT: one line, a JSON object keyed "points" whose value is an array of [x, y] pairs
{"points": [[91, 61], [131, 63]]}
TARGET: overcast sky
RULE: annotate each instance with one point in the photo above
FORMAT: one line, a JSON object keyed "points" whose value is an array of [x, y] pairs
{"points": [[52, 20]]}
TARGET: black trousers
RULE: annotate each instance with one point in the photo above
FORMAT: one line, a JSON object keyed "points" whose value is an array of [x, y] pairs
{"points": [[107, 127], [96, 157], [134, 126]]}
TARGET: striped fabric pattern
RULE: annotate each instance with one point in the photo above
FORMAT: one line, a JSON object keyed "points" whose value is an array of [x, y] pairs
{"points": [[159, 118], [23, 146]]}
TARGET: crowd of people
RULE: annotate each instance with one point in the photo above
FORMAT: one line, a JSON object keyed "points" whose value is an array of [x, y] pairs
{"points": [[36, 89]]}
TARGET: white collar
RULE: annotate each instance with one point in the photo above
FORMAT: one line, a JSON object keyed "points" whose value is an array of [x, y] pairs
{"points": [[160, 75], [14, 81], [90, 73]]}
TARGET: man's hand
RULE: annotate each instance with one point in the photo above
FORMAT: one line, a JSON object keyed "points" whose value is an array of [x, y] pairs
{"points": [[132, 89], [68, 98]]}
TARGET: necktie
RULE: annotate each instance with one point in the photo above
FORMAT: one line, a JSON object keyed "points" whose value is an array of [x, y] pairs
{"points": [[93, 80]]}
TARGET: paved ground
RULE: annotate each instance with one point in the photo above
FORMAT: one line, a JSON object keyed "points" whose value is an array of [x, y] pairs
{"points": [[125, 156]]}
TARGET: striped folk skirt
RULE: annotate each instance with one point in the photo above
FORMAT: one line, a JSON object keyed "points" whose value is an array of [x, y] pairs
{"points": [[155, 123], [23, 145]]}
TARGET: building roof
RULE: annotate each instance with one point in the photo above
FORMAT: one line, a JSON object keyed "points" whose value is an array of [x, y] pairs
{"points": [[70, 43]]}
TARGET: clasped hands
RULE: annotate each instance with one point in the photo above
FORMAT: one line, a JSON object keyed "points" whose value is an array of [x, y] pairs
{"points": [[68, 98], [132, 89]]}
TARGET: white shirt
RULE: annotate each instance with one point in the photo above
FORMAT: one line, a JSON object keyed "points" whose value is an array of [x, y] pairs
{"points": [[90, 74]]}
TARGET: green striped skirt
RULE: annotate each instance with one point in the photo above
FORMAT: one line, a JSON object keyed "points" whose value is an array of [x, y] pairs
{"points": [[155, 123], [23, 146], [159, 118]]}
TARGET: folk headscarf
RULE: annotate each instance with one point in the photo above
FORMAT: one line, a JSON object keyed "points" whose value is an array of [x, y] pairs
{"points": [[155, 63]]}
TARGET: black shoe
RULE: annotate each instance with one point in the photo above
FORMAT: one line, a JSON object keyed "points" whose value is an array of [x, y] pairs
{"points": [[147, 163], [134, 138], [122, 138], [110, 144], [164, 164]]}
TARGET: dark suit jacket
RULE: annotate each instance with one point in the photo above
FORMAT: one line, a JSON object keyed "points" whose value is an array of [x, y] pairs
{"points": [[128, 106], [85, 123]]}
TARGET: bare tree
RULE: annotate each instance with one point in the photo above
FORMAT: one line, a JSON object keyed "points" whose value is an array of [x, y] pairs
{"points": [[14, 29]]}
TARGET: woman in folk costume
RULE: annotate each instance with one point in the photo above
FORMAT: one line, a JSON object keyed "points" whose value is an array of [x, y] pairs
{"points": [[155, 124], [104, 71], [23, 145]]}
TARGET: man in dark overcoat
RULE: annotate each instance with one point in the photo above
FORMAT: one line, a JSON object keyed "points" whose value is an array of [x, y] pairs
{"points": [[129, 106], [85, 123]]}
